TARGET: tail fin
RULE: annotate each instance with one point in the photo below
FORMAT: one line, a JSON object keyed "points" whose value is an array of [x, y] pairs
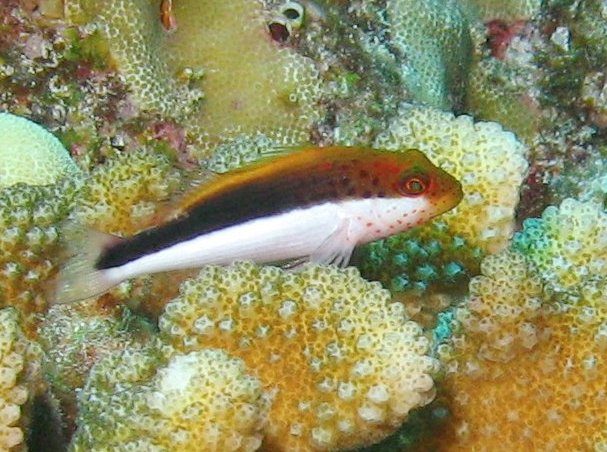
{"points": [[79, 279]]}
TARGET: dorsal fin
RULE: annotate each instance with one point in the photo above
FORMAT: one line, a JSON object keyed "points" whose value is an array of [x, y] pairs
{"points": [[201, 186], [192, 182]]}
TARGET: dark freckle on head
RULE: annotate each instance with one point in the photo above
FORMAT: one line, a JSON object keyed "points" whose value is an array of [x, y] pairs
{"points": [[399, 221], [369, 225], [378, 231], [406, 214]]}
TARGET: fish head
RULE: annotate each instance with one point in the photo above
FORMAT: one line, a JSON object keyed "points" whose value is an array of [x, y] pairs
{"points": [[410, 191]]}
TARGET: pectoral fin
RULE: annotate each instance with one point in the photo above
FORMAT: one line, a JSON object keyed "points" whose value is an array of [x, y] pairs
{"points": [[337, 247]]}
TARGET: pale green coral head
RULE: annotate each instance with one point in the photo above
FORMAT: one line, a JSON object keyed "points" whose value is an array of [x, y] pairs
{"points": [[30, 154]]}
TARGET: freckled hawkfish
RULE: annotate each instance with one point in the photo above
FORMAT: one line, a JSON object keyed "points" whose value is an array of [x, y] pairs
{"points": [[313, 204]]}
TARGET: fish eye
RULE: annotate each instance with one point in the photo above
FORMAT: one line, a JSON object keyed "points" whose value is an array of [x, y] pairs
{"points": [[413, 184]]}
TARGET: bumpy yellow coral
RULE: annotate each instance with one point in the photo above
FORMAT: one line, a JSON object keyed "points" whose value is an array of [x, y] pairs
{"points": [[568, 244], [550, 398], [161, 401], [29, 154], [344, 364], [503, 304], [488, 161], [521, 376], [29, 243], [123, 194], [16, 354]]}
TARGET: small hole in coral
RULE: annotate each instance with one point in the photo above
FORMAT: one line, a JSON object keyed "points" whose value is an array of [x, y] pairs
{"points": [[291, 13], [279, 32]]}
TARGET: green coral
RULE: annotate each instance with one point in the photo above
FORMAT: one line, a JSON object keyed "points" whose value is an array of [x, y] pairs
{"points": [[568, 244], [161, 400], [29, 154], [434, 46], [426, 261], [137, 43], [76, 336], [29, 242]]}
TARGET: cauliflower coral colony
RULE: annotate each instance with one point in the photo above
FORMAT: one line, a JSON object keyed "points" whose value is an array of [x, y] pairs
{"points": [[484, 329]]}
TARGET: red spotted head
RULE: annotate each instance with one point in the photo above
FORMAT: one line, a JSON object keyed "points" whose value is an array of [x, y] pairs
{"points": [[387, 191]]}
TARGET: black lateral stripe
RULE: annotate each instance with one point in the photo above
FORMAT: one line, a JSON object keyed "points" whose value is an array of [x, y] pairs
{"points": [[256, 199]]}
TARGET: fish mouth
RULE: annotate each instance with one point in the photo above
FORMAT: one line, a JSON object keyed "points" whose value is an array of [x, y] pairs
{"points": [[449, 194]]}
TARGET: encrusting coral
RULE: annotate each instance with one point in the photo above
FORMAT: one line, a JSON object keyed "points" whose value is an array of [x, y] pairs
{"points": [[19, 365], [31, 155], [531, 339], [568, 244], [136, 40], [160, 400], [435, 46], [76, 336], [30, 219], [343, 364], [499, 92], [121, 196], [487, 10], [251, 84]]}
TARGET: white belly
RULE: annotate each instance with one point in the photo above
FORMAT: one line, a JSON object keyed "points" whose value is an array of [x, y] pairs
{"points": [[280, 237]]}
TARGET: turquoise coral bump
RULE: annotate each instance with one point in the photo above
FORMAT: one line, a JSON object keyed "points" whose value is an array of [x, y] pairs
{"points": [[29, 154]]}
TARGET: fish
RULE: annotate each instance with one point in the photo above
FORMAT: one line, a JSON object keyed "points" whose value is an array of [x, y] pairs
{"points": [[308, 205]]}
